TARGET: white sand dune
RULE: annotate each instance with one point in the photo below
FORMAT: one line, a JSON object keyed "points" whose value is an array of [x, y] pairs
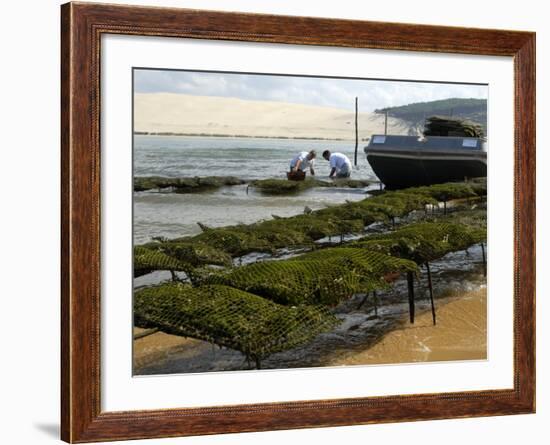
{"points": [[187, 114]]}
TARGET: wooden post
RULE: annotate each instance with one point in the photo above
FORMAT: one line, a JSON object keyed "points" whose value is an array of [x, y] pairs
{"points": [[410, 283], [430, 287], [356, 133], [386, 122]]}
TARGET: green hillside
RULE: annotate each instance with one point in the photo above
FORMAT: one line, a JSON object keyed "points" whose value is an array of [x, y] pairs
{"points": [[416, 113]]}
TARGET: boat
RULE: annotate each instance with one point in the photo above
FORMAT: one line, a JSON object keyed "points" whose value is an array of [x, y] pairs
{"points": [[408, 161]]}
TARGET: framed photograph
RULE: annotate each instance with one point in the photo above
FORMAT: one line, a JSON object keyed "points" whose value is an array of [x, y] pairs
{"points": [[274, 222]]}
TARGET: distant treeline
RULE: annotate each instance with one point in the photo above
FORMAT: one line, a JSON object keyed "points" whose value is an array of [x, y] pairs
{"points": [[218, 135], [471, 109]]}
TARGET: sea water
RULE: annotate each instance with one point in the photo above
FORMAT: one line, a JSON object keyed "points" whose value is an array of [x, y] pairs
{"points": [[173, 215]]}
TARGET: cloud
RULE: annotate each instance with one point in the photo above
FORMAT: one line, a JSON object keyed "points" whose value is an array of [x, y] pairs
{"points": [[330, 92]]}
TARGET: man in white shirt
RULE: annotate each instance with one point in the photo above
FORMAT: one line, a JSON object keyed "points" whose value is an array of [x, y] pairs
{"points": [[340, 164], [302, 161]]}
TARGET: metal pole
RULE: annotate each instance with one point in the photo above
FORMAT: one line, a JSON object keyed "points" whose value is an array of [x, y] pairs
{"points": [[356, 133], [363, 301], [410, 283], [386, 122], [430, 287], [484, 260]]}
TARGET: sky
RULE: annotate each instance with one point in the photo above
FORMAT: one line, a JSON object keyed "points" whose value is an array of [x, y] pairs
{"points": [[328, 92]]}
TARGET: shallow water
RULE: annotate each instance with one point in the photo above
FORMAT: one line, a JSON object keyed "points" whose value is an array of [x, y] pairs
{"points": [[248, 158], [172, 215]]}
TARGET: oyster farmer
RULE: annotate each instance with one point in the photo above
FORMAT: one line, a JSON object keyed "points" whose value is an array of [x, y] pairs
{"points": [[340, 164], [301, 162]]}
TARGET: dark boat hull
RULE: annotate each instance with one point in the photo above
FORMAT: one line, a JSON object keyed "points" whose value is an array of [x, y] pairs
{"points": [[398, 173], [408, 161]]}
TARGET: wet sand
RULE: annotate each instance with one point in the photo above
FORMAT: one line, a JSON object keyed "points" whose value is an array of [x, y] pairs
{"points": [[460, 334], [158, 346]]}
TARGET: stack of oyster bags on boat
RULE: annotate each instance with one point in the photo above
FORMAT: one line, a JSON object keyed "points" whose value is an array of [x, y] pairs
{"points": [[446, 126]]}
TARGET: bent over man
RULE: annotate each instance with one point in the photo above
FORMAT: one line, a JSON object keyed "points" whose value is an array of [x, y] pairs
{"points": [[302, 161], [339, 163]]}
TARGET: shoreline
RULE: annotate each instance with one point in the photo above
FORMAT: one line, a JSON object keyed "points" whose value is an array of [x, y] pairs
{"points": [[460, 334], [244, 136]]}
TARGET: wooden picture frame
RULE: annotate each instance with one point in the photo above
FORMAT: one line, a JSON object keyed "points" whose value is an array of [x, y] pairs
{"points": [[82, 26]]}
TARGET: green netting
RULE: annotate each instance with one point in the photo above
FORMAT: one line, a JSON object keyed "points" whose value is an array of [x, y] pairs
{"points": [[192, 253], [479, 186], [325, 277], [184, 185], [283, 186], [147, 260], [351, 183], [348, 218], [424, 241], [380, 208], [267, 236], [475, 218], [232, 308], [308, 228], [234, 240], [299, 230], [229, 317], [449, 191], [403, 201], [353, 211]]}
